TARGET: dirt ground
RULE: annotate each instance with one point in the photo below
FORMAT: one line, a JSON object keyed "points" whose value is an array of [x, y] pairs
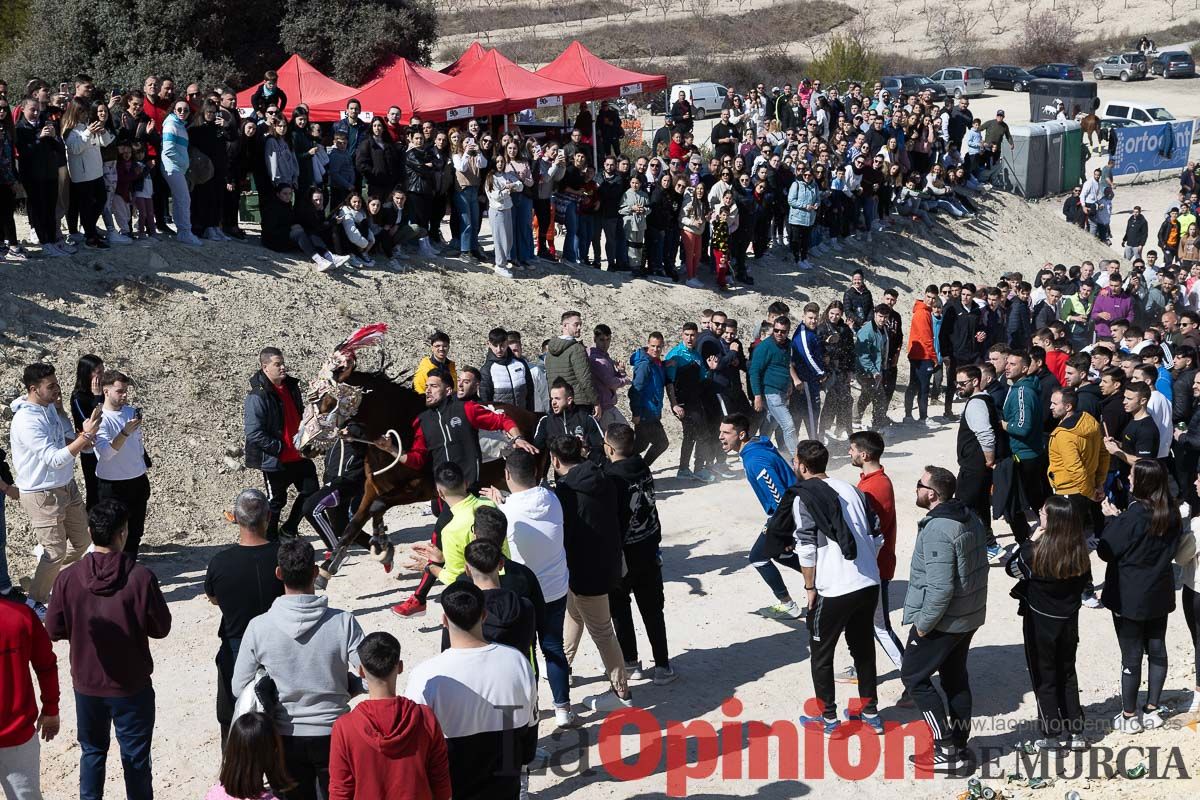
{"points": [[187, 325]]}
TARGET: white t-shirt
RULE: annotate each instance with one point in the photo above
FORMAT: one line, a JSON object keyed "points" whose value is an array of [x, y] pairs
{"points": [[1159, 410], [128, 462], [535, 538], [835, 575], [476, 690]]}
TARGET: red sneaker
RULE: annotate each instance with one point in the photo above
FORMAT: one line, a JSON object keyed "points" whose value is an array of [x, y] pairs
{"points": [[412, 607]]}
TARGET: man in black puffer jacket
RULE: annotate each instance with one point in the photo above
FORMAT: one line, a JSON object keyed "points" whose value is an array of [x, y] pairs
{"points": [[567, 419], [641, 535], [272, 415], [419, 179], [505, 378]]}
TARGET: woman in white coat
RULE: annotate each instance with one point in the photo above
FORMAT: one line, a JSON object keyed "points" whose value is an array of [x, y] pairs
{"points": [[84, 135]]}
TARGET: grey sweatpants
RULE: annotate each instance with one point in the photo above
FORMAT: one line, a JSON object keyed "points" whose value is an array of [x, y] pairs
{"points": [[19, 771], [502, 234]]}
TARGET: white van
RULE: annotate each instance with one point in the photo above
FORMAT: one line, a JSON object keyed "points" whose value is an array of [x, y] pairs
{"points": [[707, 98], [1138, 113]]}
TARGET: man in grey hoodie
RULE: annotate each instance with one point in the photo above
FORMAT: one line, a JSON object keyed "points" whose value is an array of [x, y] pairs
{"points": [[945, 604], [308, 649]]}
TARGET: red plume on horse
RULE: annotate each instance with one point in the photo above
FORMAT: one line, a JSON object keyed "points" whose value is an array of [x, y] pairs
{"points": [[385, 411]]}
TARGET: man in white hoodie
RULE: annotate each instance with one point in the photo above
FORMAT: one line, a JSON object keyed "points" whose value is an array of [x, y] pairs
{"points": [[44, 447], [308, 649], [535, 539]]}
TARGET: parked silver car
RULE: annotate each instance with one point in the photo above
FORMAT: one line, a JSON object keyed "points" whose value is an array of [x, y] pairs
{"points": [[1126, 66], [961, 81]]}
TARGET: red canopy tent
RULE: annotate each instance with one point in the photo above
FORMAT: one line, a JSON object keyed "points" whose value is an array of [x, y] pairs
{"points": [[515, 87], [580, 66], [404, 86], [431, 75], [472, 54], [303, 84]]}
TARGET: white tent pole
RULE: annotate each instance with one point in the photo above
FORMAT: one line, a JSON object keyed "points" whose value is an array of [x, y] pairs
{"points": [[595, 144]]}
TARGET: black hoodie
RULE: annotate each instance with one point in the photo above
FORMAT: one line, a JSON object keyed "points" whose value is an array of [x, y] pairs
{"points": [[510, 620], [591, 529], [637, 511]]}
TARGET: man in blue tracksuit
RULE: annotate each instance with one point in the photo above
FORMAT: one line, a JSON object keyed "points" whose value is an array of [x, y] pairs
{"points": [[646, 398], [808, 369], [770, 476]]}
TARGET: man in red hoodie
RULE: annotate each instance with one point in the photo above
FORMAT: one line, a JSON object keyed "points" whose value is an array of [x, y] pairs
{"points": [[388, 746], [109, 607], [24, 643]]}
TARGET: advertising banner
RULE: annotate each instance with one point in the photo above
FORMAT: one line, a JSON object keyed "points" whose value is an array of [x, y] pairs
{"points": [[1145, 148]]}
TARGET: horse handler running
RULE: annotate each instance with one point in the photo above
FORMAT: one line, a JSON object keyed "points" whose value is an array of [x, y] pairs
{"points": [[448, 430]]}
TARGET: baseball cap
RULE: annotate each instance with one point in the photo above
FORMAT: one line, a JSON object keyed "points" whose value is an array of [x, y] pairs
{"points": [[1000, 112]]}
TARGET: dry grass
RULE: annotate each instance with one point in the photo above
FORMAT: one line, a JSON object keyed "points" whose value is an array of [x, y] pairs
{"points": [[639, 44], [499, 17]]}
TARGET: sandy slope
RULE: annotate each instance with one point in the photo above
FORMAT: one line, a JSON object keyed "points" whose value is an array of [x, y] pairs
{"points": [[186, 324]]}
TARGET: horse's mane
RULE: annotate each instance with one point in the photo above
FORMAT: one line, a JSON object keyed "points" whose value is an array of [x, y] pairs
{"points": [[380, 378]]}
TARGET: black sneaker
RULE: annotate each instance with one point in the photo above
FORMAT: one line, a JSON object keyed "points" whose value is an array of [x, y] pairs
{"points": [[236, 233], [165, 228], [944, 760]]}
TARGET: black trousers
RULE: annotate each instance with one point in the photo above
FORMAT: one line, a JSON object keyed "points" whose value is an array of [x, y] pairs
{"points": [[307, 761], [801, 238], [1032, 475], [1137, 638], [974, 489], [1191, 615], [854, 615], [225, 660], [206, 205], [951, 367], [650, 439], [1050, 647], [426, 584], [231, 203], [41, 199], [89, 198], [329, 519], [945, 654], [643, 580], [8, 206], [91, 484], [302, 475], [545, 237], [162, 194], [135, 494], [889, 384]]}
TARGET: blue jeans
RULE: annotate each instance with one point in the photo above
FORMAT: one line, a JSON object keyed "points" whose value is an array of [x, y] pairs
{"points": [[919, 375], [585, 228], [5, 581], [654, 249], [522, 221], [767, 569], [571, 221], [551, 637], [133, 718], [466, 205], [779, 415]]}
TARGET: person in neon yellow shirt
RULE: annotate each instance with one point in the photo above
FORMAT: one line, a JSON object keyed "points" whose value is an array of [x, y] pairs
{"points": [[458, 532]]}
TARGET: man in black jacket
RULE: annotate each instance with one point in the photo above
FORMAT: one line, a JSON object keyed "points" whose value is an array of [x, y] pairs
{"points": [[610, 190], [1136, 232], [592, 540], [641, 534], [419, 179], [567, 419], [269, 94], [272, 415], [857, 301], [505, 378], [1187, 451], [39, 151]]}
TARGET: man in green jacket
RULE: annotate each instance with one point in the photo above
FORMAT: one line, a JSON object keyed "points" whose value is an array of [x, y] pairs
{"points": [[771, 382], [566, 358], [946, 603], [1023, 424], [870, 352]]}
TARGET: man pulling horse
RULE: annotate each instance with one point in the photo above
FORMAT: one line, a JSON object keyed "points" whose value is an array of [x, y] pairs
{"points": [[409, 435]]}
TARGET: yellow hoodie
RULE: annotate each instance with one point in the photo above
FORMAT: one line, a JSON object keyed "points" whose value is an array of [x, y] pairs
{"points": [[423, 371], [1078, 460]]}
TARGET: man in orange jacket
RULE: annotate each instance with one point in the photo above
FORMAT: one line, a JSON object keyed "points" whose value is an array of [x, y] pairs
{"points": [[922, 357]]}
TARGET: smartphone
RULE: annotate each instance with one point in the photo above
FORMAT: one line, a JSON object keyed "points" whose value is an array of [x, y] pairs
{"points": [[65, 88]]}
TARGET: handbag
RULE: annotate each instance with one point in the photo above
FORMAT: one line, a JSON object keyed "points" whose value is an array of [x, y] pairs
{"points": [[260, 695]]}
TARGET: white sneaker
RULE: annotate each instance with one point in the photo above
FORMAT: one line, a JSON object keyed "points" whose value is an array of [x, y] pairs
{"points": [[1126, 724], [1152, 719], [190, 240], [931, 424], [338, 261], [609, 701], [54, 251], [116, 237], [212, 235], [502, 272], [564, 717], [323, 263]]}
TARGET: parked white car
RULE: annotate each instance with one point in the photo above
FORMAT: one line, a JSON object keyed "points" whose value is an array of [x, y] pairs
{"points": [[706, 97]]}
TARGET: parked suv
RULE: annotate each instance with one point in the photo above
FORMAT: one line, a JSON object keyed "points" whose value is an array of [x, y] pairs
{"points": [[1175, 64], [1140, 113], [960, 81], [1005, 76], [706, 97], [1126, 66], [1062, 72], [905, 85]]}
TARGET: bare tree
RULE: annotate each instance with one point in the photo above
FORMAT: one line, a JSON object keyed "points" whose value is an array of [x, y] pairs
{"points": [[861, 26], [1099, 6], [664, 6], [1074, 11], [896, 20], [998, 10], [953, 30], [1030, 5], [702, 8], [627, 11], [1171, 8], [742, 3]]}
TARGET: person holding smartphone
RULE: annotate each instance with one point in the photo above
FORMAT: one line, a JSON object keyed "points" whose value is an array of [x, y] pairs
{"points": [[121, 459]]}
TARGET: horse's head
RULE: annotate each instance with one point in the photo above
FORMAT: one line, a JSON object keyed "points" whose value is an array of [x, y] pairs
{"points": [[329, 406]]}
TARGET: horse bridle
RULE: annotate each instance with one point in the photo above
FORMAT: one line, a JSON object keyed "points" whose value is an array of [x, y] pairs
{"points": [[347, 399]]}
